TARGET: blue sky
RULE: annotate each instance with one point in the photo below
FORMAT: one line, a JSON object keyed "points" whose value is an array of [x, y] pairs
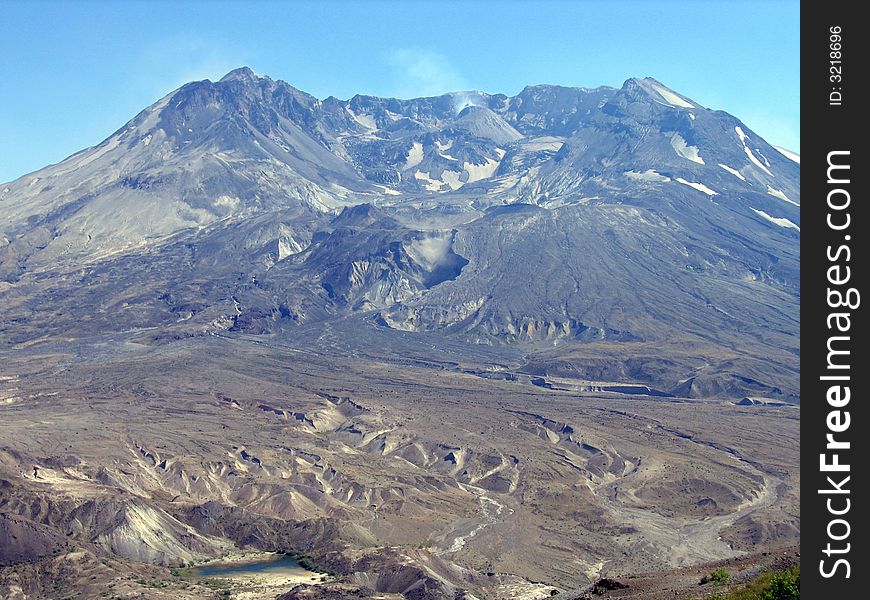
{"points": [[74, 72]]}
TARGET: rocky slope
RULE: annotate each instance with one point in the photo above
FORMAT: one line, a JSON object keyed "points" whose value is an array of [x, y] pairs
{"points": [[559, 215]]}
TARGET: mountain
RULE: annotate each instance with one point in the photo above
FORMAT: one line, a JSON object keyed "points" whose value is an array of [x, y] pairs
{"points": [[464, 346], [558, 215]]}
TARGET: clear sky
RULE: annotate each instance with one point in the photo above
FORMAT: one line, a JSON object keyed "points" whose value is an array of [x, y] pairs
{"points": [[71, 73]]}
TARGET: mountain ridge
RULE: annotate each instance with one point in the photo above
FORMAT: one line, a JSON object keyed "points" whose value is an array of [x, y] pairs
{"points": [[636, 184]]}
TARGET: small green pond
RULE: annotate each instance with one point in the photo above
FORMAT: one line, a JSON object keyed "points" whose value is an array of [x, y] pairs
{"points": [[280, 566]]}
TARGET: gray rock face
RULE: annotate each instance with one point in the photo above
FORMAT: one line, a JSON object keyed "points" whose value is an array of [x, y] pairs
{"points": [[560, 215]]}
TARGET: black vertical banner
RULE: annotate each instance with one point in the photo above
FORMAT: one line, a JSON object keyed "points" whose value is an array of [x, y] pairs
{"points": [[835, 370]]}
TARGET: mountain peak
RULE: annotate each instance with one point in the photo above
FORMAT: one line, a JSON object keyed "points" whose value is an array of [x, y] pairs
{"points": [[657, 91], [481, 122], [242, 74], [361, 216]]}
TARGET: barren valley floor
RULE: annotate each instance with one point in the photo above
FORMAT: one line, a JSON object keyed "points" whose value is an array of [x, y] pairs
{"points": [[388, 470]]}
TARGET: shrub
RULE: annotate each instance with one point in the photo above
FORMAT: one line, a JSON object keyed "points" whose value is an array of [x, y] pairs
{"points": [[772, 585], [785, 585], [720, 575]]}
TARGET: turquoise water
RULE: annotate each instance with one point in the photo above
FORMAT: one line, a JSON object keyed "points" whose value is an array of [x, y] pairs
{"points": [[281, 566]]}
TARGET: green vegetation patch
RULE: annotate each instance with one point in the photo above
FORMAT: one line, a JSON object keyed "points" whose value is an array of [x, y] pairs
{"points": [[773, 585]]}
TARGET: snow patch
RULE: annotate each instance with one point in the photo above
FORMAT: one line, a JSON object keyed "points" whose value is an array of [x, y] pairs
{"points": [[778, 194], [781, 221], [665, 94], [431, 184], [451, 178], [755, 161], [415, 156], [367, 121], [649, 175], [698, 186], [789, 154], [734, 172], [388, 190], [685, 150], [743, 137], [443, 148], [478, 172]]}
